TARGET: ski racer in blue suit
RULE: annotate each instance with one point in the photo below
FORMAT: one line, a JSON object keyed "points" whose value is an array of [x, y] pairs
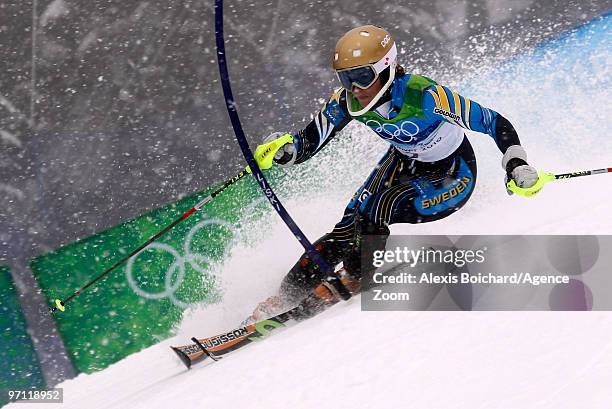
{"points": [[429, 170]]}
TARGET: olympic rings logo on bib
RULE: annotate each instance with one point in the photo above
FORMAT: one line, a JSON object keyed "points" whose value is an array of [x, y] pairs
{"points": [[406, 129]]}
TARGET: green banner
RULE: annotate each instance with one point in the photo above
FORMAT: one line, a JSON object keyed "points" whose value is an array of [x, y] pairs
{"points": [[138, 304], [19, 368]]}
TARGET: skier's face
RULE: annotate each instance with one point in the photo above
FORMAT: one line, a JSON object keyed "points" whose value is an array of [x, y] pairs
{"points": [[364, 96]]}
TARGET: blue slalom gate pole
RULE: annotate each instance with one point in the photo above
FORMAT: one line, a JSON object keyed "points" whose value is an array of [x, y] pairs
{"points": [[230, 103]]}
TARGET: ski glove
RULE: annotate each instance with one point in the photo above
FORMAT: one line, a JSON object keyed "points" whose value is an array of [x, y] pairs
{"points": [[515, 164], [286, 155]]}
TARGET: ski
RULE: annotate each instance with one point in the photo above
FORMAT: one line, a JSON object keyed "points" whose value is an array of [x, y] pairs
{"points": [[214, 348]]}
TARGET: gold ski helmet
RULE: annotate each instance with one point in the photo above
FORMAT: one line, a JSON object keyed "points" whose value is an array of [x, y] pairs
{"points": [[359, 58]]}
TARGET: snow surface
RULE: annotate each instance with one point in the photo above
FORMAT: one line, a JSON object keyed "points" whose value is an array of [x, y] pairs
{"points": [[346, 358]]}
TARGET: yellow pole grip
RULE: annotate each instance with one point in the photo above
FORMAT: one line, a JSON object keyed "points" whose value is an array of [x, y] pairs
{"points": [[543, 178], [264, 153]]}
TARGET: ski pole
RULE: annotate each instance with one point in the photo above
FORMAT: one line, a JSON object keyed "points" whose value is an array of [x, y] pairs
{"points": [[545, 177], [264, 154]]}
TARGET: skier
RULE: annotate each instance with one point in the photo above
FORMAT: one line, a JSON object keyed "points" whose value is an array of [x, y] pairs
{"points": [[428, 172]]}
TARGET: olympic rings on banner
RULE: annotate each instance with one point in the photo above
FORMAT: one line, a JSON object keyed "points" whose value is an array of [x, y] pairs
{"points": [[195, 260]]}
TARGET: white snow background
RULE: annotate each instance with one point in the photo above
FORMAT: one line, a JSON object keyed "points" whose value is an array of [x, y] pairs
{"points": [[556, 96]]}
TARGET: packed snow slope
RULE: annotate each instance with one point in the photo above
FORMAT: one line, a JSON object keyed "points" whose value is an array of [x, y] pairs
{"points": [[557, 98]]}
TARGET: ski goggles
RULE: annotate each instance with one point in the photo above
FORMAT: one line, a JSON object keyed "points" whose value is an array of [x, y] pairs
{"points": [[366, 75], [361, 77]]}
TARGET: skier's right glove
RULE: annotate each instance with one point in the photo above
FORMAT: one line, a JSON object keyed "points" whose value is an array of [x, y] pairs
{"points": [[286, 155], [517, 169]]}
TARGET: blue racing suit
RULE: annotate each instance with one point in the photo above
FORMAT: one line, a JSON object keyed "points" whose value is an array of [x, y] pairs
{"points": [[428, 172]]}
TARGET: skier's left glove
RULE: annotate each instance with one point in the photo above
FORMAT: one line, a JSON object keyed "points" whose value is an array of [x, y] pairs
{"points": [[285, 155], [515, 164]]}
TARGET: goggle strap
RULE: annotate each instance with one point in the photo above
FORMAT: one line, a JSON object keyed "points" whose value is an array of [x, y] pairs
{"points": [[387, 60]]}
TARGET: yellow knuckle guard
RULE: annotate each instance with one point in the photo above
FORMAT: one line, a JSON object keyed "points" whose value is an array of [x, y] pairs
{"points": [[543, 179], [264, 153]]}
